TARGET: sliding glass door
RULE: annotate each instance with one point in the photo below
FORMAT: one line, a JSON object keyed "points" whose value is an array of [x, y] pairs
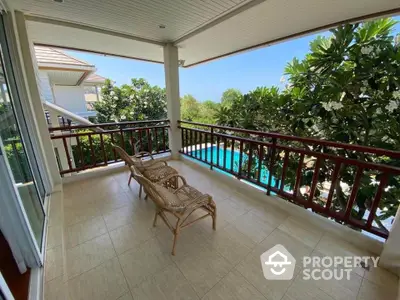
{"points": [[18, 155]]}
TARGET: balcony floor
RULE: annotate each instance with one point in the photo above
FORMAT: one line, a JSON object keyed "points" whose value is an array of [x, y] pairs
{"points": [[111, 251]]}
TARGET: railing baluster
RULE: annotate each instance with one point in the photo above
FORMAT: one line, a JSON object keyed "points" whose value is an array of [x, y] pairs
{"points": [[218, 164], [196, 155], [67, 153], [149, 147], [191, 143], [186, 141], [272, 165], [378, 196], [298, 176], [122, 137], [240, 159], [284, 170], [164, 142], [314, 181], [260, 157], [211, 148], [156, 139], [225, 145], [183, 140], [232, 156], [114, 152], [78, 144], [132, 142], [201, 147], [335, 178], [93, 157], [249, 160], [103, 149], [354, 192], [140, 140]]}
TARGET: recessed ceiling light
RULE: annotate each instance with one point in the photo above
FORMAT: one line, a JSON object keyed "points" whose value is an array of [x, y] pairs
{"points": [[59, 1], [162, 26]]}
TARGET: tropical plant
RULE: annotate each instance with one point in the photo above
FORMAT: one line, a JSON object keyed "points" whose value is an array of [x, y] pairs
{"points": [[346, 89], [136, 101]]}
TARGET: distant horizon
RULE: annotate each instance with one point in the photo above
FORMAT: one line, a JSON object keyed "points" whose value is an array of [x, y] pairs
{"points": [[243, 71]]}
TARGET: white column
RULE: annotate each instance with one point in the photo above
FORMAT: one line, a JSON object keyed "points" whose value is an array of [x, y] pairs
{"points": [[390, 256], [171, 68]]}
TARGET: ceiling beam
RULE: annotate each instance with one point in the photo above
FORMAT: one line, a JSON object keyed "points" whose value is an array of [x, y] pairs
{"points": [[91, 28], [97, 52], [221, 19]]}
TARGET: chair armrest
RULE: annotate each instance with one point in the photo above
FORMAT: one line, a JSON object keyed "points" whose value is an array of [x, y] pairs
{"points": [[150, 164], [173, 176]]}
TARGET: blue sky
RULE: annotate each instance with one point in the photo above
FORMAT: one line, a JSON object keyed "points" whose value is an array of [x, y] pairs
{"points": [[245, 71]]}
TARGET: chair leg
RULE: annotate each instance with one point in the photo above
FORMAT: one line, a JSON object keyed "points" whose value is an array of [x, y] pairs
{"points": [[140, 191], [130, 178], [214, 218], [155, 219], [176, 234]]}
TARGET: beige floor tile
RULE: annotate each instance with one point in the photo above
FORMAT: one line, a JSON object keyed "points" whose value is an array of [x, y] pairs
{"points": [[233, 286], [55, 289], [203, 268], [54, 236], [81, 232], [109, 202], [84, 211], [56, 216], [333, 245], [371, 291], [251, 269], [88, 255], [125, 215], [54, 266], [105, 281], [295, 247], [131, 235], [305, 232], [253, 226], [232, 244], [227, 212], [273, 215], [142, 262], [166, 284], [338, 288], [305, 290], [382, 277], [127, 296]]}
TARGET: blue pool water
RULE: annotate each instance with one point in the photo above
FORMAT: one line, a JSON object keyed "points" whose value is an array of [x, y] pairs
{"points": [[217, 157]]}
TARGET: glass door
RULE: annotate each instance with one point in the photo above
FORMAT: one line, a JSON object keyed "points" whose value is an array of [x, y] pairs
{"points": [[15, 144]]}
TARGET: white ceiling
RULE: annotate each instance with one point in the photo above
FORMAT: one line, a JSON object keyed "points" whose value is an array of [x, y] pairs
{"points": [[202, 29], [136, 17]]}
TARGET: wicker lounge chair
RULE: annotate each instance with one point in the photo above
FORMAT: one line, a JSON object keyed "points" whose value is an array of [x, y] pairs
{"points": [[181, 202], [151, 169]]}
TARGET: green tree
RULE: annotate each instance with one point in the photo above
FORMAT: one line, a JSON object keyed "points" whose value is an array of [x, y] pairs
{"points": [[190, 108], [229, 96], [131, 102], [345, 89]]}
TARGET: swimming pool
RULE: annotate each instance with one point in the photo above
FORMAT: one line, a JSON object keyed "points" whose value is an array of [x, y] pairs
{"points": [[212, 154]]}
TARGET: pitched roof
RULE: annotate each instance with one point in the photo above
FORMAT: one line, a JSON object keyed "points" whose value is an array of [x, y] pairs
{"points": [[95, 78], [47, 55]]}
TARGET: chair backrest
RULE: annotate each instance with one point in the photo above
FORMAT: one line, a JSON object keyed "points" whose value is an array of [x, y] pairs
{"points": [[156, 192], [124, 156]]}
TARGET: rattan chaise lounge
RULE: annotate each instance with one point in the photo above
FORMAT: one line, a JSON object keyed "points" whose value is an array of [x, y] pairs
{"points": [[180, 201]]}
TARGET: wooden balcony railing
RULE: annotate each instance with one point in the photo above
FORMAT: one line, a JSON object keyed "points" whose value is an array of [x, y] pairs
{"points": [[84, 147], [308, 172]]}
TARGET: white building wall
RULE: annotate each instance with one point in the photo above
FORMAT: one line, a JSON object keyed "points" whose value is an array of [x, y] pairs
{"points": [[71, 98], [45, 86]]}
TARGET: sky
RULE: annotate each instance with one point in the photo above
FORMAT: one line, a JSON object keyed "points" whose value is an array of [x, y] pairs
{"points": [[244, 71]]}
